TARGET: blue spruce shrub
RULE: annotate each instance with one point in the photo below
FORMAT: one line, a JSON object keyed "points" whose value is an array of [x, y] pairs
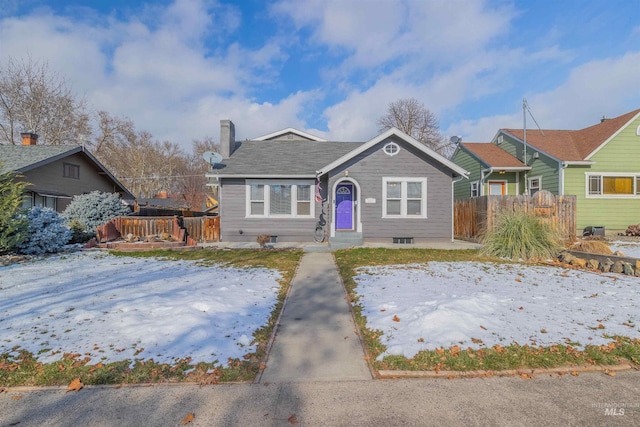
{"points": [[94, 209], [46, 232]]}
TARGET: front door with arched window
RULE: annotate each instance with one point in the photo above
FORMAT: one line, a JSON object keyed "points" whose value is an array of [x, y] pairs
{"points": [[344, 206]]}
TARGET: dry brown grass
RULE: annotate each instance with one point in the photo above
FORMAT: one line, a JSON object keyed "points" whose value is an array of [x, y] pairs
{"points": [[592, 247]]}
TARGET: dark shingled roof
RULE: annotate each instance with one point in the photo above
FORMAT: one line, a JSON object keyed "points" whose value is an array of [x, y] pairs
{"points": [[492, 155], [280, 157], [21, 158]]}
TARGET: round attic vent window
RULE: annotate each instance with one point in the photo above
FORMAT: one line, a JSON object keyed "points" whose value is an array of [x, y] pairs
{"points": [[391, 149]]}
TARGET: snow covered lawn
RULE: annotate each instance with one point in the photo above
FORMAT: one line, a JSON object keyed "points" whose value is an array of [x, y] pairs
{"points": [[116, 308], [473, 304]]}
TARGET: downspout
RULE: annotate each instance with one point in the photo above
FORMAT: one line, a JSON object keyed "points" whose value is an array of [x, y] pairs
{"points": [[483, 174], [524, 129], [563, 166], [453, 203]]}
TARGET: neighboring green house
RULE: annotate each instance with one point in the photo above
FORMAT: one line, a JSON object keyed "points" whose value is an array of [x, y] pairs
{"points": [[600, 165]]}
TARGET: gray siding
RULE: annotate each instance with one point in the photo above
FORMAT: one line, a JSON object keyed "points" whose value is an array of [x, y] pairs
{"points": [[368, 170], [236, 227]]}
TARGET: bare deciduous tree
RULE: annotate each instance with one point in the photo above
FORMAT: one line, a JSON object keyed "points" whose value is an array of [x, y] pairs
{"points": [[34, 99], [192, 186], [411, 117]]}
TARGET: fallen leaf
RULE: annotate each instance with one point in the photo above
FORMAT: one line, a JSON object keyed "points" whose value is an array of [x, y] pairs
{"points": [[421, 339], [396, 318], [521, 308], [16, 397], [293, 420], [186, 420], [610, 373], [383, 309], [450, 377], [263, 366], [543, 330], [482, 327], [476, 340], [600, 326], [526, 376], [574, 373], [518, 280], [75, 385]]}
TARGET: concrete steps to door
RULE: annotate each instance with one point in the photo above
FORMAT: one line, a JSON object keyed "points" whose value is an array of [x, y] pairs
{"points": [[345, 239]]}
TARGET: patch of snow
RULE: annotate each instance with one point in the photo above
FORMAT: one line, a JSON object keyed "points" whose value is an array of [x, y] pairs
{"points": [[630, 249], [116, 308], [424, 307]]}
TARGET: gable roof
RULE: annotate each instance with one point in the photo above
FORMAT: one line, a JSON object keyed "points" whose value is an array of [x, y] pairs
{"points": [[280, 158], [23, 158], [306, 159], [574, 145], [286, 133], [493, 156], [407, 138]]}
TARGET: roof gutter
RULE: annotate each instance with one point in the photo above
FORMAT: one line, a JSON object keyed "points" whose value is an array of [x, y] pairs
{"points": [[260, 176]]}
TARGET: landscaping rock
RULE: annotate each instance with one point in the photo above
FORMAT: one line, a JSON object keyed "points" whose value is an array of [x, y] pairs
{"points": [[618, 267], [606, 266], [578, 262], [593, 264], [628, 269], [566, 257]]}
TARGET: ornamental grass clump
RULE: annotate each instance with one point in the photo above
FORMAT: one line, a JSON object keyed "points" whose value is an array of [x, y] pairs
{"points": [[518, 235]]}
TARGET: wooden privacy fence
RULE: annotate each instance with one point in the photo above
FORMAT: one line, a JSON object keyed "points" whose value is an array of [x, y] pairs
{"points": [[475, 215], [190, 230]]}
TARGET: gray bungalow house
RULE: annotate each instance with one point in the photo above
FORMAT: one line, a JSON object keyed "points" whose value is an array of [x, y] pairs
{"points": [[389, 189]]}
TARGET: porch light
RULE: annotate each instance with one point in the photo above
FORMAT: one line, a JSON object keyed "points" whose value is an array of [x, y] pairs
{"points": [[502, 172]]}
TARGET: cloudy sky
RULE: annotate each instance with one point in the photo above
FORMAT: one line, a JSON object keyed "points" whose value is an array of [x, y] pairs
{"points": [[331, 67]]}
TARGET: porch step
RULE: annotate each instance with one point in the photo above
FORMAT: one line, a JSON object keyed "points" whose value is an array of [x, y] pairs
{"points": [[345, 240]]}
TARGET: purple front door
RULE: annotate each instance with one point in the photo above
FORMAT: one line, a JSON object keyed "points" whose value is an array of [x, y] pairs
{"points": [[344, 207]]}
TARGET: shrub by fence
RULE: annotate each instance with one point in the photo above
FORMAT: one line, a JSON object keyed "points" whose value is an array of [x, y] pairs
{"points": [[475, 215]]}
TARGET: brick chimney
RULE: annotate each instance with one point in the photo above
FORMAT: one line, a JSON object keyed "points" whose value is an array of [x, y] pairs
{"points": [[227, 138], [29, 138]]}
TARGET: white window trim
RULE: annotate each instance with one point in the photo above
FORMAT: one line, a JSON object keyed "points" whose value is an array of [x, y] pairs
{"points": [[638, 131], [539, 178], [403, 197], [477, 184], [635, 177], [502, 181], [294, 197], [388, 145]]}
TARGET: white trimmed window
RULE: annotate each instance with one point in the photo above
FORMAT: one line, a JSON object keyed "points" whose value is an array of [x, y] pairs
{"points": [[279, 199], [613, 185], [535, 184], [475, 188], [391, 149], [404, 197]]}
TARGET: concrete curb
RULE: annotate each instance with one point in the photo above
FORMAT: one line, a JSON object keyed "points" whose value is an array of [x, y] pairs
{"points": [[386, 374]]}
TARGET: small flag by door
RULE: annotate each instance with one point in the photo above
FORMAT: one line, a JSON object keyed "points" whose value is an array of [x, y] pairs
{"points": [[318, 191]]}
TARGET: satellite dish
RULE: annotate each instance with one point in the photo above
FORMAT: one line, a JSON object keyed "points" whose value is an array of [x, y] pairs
{"points": [[455, 139], [212, 157]]}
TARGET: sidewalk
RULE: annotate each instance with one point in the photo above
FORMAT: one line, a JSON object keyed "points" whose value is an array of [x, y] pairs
{"points": [[316, 338]]}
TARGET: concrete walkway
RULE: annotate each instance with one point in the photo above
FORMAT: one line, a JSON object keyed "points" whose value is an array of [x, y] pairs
{"points": [[316, 338]]}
